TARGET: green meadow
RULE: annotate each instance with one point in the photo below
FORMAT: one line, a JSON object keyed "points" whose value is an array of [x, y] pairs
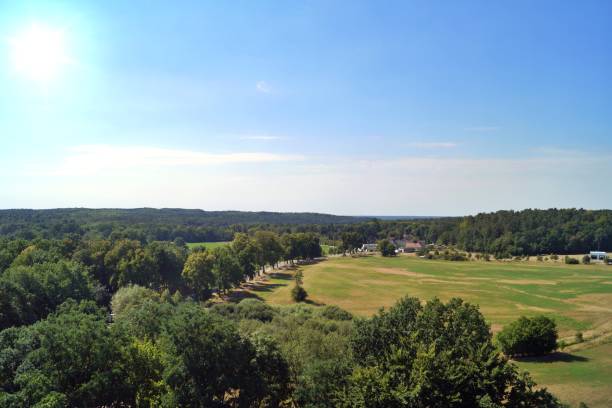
{"points": [[207, 245], [578, 297]]}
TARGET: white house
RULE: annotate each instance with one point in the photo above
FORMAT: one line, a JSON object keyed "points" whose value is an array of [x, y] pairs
{"points": [[368, 248], [598, 256]]}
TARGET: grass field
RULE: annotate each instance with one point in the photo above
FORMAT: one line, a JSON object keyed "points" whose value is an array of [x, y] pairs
{"points": [[578, 297], [584, 375], [207, 245]]}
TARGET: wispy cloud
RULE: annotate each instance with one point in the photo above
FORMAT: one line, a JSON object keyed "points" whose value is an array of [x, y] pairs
{"points": [[560, 152], [482, 128], [337, 184], [433, 145], [263, 87], [92, 159], [260, 137]]}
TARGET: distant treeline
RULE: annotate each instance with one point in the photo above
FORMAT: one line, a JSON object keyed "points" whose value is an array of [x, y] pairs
{"points": [[148, 224], [503, 233]]}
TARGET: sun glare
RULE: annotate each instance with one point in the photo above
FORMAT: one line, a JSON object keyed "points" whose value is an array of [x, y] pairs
{"points": [[39, 52]]}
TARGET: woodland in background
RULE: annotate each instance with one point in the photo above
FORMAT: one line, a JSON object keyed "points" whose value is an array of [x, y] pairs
{"points": [[503, 233]]}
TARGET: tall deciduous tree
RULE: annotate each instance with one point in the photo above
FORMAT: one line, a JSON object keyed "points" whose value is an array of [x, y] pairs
{"points": [[198, 273], [246, 252], [270, 248]]}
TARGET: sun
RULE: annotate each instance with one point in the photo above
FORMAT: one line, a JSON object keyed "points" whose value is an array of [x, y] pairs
{"points": [[39, 53]]}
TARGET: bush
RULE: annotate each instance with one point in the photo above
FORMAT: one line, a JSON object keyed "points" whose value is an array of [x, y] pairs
{"points": [[528, 336], [554, 257], [255, 309], [298, 293], [579, 338], [386, 248], [335, 313], [571, 261], [131, 296], [586, 259]]}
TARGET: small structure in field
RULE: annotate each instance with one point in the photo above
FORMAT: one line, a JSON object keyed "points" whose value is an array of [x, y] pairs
{"points": [[368, 248], [413, 246], [409, 247], [598, 256]]}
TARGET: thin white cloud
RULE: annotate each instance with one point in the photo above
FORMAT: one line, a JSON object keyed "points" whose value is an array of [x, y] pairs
{"points": [[482, 128], [346, 185], [260, 137], [433, 145], [93, 159], [263, 87], [560, 152]]}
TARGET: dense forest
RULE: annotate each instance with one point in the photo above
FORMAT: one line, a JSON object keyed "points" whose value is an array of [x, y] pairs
{"points": [[503, 233], [148, 224]]}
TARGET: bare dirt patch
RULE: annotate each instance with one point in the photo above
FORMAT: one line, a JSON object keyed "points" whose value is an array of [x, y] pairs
{"points": [[533, 308], [398, 271], [528, 282]]}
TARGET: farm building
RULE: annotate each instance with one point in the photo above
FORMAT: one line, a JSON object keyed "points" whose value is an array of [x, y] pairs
{"points": [[368, 248], [413, 247], [598, 256], [409, 246]]}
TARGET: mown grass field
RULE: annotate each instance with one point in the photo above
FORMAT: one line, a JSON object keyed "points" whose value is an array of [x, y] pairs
{"points": [[207, 245], [578, 297]]}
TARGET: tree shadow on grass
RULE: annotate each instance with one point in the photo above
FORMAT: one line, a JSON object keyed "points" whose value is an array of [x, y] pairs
{"points": [[263, 287], [553, 358], [313, 302], [280, 275], [237, 296]]}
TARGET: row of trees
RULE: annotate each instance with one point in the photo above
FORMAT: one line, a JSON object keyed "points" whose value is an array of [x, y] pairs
{"points": [[35, 277]]}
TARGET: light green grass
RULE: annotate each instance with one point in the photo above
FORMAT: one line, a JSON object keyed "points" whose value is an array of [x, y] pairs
{"points": [[325, 248], [578, 297], [207, 245], [584, 376]]}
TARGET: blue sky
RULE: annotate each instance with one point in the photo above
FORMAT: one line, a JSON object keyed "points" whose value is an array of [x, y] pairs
{"points": [[424, 108]]}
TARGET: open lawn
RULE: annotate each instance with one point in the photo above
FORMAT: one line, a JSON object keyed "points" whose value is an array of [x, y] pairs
{"points": [[578, 297], [584, 375], [207, 245]]}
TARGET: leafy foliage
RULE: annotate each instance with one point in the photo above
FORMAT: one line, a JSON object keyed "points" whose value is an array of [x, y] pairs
{"points": [[529, 336], [437, 355], [386, 248], [298, 293]]}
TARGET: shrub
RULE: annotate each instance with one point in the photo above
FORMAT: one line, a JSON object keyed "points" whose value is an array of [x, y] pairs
{"points": [[571, 261], [131, 296], [335, 313], [386, 248], [255, 309], [586, 259], [528, 336], [554, 257], [540, 258], [298, 293], [579, 338], [561, 345]]}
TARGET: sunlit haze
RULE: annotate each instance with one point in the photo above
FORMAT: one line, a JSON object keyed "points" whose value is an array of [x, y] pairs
{"points": [[39, 52]]}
